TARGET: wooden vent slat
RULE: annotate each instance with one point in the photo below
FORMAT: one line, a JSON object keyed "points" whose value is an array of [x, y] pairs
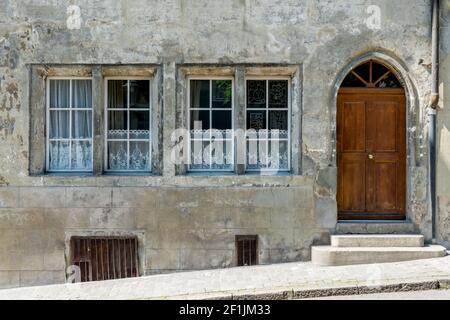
{"points": [[105, 258]]}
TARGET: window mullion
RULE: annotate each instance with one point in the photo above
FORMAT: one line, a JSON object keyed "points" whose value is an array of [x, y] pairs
{"points": [[267, 124], [210, 124]]}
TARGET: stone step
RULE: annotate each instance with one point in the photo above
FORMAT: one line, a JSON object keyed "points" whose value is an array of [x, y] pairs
{"points": [[384, 240], [378, 227], [335, 256]]}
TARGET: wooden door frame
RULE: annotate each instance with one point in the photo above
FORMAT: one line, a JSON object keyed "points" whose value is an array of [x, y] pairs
{"points": [[383, 92]]}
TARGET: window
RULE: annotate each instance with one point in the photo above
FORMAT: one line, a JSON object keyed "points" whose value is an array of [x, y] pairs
{"points": [[268, 124], [128, 125], [69, 124], [105, 258], [211, 124], [247, 248]]}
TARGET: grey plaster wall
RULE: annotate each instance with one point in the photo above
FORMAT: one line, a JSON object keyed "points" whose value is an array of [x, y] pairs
{"points": [[189, 222]]}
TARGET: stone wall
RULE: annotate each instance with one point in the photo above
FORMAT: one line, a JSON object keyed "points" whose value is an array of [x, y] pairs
{"points": [[190, 222]]}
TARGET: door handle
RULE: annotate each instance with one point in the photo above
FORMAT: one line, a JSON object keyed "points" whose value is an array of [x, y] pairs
{"points": [[371, 156]]}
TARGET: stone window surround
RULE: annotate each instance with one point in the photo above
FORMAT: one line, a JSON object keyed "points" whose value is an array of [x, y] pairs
{"points": [[98, 74], [160, 84], [240, 73]]}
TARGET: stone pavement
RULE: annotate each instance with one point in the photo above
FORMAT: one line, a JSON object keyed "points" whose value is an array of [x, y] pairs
{"points": [[284, 281]]}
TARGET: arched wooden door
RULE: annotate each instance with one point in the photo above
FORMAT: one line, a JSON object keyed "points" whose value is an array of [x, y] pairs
{"points": [[371, 145]]}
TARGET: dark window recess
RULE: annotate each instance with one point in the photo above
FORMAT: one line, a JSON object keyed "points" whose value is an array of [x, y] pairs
{"points": [[105, 258], [247, 248]]}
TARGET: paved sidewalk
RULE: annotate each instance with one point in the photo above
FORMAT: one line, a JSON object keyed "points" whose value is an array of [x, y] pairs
{"points": [[284, 281]]}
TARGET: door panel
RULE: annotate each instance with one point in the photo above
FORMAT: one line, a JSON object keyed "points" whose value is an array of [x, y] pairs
{"points": [[371, 153]]}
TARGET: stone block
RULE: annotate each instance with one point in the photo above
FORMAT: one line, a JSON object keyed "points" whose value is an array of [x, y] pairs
{"points": [[9, 279], [91, 197], [40, 278], [326, 213], [130, 197], [9, 197], [42, 197], [157, 259]]}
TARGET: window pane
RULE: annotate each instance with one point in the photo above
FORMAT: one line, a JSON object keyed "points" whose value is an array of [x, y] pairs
{"points": [[59, 155], [81, 94], [59, 125], [199, 93], [139, 155], [222, 155], [139, 124], [117, 94], [256, 94], [81, 155], [200, 155], [256, 120], [82, 124], [139, 93], [278, 94], [221, 93], [59, 93], [117, 155], [256, 154], [278, 120], [199, 120], [117, 125], [278, 158], [221, 120]]}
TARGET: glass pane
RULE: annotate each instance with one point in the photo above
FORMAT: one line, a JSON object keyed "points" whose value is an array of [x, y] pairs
{"points": [[221, 93], [81, 155], [82, 124], [256, 94], [200, 155], [364, 71], [278, 94], [59, 93], [256, 154], [256, 120], [221, 120], [117, 125], [117, 94], [139, 124], [222, 155], [139, 94], [59, 125], [351, 81], [278, 120], [278, 157], [139, 155], [117, 155], [199, 93], [378, 70], [199, 120], [390, 81], [81, 94], [59, 155]]}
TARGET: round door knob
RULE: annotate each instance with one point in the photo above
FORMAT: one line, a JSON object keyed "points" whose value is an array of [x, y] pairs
{"points": [[371, 156]]}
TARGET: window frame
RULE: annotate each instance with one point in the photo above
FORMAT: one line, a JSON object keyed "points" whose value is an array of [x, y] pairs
{"points": [[150, 110], [210, 109], [267, 109], [70, 110]]}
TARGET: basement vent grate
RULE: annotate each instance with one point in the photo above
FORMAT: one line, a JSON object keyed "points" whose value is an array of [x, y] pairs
{"points": [[105, 258], [247, 248]]}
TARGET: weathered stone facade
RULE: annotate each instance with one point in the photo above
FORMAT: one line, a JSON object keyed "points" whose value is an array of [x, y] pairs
{"points": [[185, 221], [443, 138]]}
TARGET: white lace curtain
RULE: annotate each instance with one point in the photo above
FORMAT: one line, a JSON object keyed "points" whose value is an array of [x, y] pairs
{"points": [[70, 127]]}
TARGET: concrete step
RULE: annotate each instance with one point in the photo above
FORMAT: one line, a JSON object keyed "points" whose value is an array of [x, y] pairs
{"points": [[378, 227], [335, 256], [382, 240]]}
